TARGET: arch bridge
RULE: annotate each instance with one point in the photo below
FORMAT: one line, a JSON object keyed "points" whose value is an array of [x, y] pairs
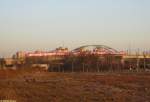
{"points": [[97, 49]]}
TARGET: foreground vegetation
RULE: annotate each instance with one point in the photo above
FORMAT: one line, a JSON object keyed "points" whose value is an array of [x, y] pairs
{"points": [[36, 86]]}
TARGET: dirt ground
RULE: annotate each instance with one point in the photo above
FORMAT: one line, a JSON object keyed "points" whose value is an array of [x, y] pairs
{"points": [[74, 87]]}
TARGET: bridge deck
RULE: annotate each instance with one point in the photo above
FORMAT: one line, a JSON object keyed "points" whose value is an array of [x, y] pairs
{"points": [[134, 56]]}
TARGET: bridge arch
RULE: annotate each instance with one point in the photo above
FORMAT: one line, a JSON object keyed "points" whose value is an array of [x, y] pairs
{"points": [[98, 48]]}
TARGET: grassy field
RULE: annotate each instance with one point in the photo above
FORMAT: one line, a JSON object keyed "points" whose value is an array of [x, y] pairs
{"points": [[38, 86]]}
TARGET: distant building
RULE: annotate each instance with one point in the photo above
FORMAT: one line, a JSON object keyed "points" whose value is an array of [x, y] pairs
{"points": [[58, 52], [9, 62], [20, 55]]}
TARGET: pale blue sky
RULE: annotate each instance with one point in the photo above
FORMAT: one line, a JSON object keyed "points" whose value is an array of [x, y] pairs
{"points": [[46, 24]]}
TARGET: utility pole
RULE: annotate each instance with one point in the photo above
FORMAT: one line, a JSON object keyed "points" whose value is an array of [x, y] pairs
{"points": [[83, 65], [144, 55], [72, 66], [97, 66], [138, 60], [129, 49]]}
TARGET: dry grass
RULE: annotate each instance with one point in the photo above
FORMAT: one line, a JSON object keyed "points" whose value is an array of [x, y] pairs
{"points": [[30, 86]]}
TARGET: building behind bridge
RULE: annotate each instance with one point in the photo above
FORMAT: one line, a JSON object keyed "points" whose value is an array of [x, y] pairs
{"points": [[85, 58]]}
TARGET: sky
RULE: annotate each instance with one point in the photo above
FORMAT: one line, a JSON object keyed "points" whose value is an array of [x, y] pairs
{"points": [[29, 25]]}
